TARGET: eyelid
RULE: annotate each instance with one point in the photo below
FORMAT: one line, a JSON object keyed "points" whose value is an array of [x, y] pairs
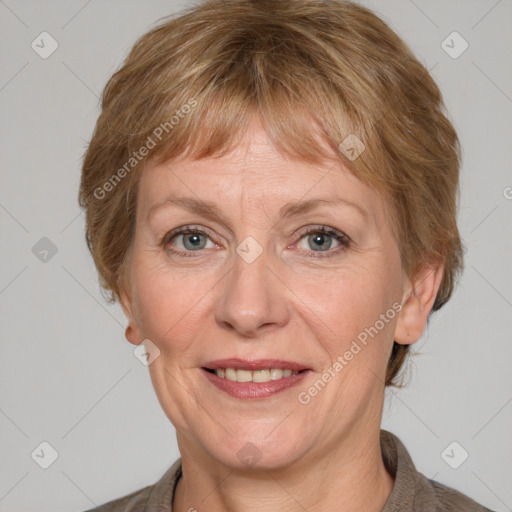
{"points": [[344, 240], [323, 228], [187, 229]]}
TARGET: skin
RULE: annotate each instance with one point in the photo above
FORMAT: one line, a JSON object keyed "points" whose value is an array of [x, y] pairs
{"points": [[286, 304]]}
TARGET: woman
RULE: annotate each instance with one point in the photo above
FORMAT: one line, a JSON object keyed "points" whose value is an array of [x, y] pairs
{"points": [[270, 193]]}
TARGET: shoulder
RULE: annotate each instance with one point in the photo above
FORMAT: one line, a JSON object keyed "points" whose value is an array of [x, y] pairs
{"points": [[157, 496], [413, 491], [134, 502], [433, 495]]}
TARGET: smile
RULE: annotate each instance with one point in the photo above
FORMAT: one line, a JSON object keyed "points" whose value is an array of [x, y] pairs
{"points": [[253, 384], [262, 375]]}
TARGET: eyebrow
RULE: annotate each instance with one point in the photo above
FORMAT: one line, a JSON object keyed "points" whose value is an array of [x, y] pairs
{"points": [[210, 209]]}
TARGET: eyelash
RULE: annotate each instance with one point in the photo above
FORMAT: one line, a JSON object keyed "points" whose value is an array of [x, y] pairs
{"points": [[344, 240]]}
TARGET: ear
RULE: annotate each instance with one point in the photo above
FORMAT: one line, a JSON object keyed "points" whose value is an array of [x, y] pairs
{"points": [[132, 332], [419, 299]]}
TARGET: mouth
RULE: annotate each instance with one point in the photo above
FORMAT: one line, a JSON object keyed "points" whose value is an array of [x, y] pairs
{"points": [[254, 379]]}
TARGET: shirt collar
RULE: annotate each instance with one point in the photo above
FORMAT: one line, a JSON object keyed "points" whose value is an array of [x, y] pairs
{"points": [[399, 464]]}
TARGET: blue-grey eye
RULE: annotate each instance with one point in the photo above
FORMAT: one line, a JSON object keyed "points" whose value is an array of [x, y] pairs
{"points": [[323, 241], [189, 240]]}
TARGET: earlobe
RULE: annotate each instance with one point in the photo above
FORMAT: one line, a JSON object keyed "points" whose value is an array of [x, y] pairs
{"points": [[131, 334], [417, 304]]}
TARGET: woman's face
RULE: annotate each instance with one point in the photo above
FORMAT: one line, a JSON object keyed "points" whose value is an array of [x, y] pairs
{"points": [[254, 286]]}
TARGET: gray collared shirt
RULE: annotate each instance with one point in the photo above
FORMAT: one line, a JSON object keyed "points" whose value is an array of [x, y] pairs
{"points": [[412, 491]]}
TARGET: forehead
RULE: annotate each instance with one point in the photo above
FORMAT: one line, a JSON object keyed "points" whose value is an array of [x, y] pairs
{"points": [[255, 175]]}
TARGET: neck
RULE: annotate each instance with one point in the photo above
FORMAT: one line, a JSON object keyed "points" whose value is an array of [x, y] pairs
{"points": [[349, 476]]}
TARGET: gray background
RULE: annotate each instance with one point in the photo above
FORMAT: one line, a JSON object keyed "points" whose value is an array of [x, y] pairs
{"points": [[68, 376]]}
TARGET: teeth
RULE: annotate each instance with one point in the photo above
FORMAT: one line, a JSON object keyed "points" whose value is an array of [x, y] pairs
{"points": [[261, 376], [243, 376], [230, 373], [255, 376], [275, 374]]}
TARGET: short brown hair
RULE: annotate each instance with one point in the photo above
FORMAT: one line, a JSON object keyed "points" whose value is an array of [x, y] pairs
{"points": [[190, 86]]}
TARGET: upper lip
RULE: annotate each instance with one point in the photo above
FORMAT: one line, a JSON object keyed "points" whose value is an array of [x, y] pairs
{"points": [[255, 364]]}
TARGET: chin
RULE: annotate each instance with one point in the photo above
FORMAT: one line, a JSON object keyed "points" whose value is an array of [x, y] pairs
{"points": [[257, 453]]}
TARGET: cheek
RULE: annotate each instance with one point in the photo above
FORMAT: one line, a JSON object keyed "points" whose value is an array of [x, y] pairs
{"points": [[353, 312], [348, 299], [168, 305]]}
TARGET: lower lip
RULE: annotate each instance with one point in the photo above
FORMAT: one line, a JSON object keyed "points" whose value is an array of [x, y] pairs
{"points": [[253, 390]]}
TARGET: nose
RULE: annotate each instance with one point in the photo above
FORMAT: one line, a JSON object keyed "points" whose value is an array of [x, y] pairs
{"points": [[253, 298]]}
